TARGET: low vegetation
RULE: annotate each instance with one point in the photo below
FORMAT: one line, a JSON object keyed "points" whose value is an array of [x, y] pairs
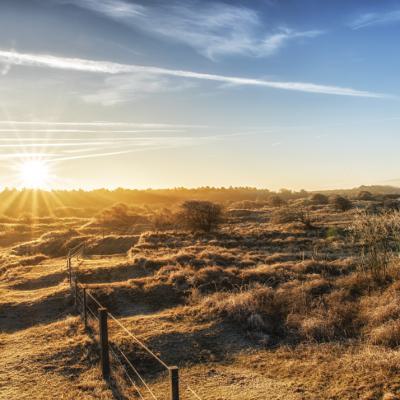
{"points": [[260, 289]]}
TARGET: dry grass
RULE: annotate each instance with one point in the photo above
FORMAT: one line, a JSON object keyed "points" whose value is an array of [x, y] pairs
{"points": [[261, 308]]}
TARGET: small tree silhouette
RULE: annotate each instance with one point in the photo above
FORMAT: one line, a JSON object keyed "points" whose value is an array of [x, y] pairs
{"points": [[201, 215]]}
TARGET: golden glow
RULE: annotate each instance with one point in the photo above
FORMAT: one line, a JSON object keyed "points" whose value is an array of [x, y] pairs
{"points": [[34, 174]]}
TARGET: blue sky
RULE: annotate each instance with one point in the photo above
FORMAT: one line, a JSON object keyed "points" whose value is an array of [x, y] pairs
{"points": [[297, 94]]}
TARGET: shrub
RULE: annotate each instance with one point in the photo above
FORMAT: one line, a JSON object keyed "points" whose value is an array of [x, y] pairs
{"points": [[164, 220], [341, 203], [379, 238], [253, 308], [277, 201], [201, 215], [391, 204], [319, 198], [365, 195], [288, 215], [119, 217]]}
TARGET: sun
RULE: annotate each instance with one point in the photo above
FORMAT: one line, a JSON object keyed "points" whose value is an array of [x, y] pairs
{"points": [[34, 174]]}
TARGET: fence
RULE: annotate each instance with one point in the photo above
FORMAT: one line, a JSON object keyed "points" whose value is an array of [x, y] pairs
{"points": [[97, 320]]}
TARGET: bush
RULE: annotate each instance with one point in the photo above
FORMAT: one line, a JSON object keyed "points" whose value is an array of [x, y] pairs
{"points": [[201, 215], [379, 238], [277, 201], [253, 308], [341, 203], [319, 198], [365, 195], [119, 217], [164, 220], [289, 215], [391, 204]]}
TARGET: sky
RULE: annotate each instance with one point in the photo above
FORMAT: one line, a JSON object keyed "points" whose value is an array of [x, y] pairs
{"points": [[298, 94]]}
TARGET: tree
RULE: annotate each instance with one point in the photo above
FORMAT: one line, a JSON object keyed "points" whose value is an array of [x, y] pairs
{"points": [[201, 215]]}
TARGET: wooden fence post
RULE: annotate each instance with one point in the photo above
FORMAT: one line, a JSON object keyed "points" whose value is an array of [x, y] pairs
{"points": [[69, 270], [105, 357], [76, 292], [174, 382], [84, 308]]}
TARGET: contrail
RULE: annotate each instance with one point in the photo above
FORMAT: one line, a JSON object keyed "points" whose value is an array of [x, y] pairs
{"points": [[107, 67]]}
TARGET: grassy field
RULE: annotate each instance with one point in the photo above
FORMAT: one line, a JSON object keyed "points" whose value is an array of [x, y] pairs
{"points": [[285, 299]]}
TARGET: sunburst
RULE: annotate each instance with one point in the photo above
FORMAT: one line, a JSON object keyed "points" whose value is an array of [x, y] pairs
{"points": [[34, 174]]}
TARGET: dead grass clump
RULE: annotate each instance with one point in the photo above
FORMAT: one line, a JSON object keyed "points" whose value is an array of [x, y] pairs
{"points": [[150, 264], [33, 260], [271, 275], [205, 280], [111, 244], [170, 239], [220, 256], [52, 244], [343, 314], [387, 334], [312, 328], [379, 239], [168, 270], [332, 317], [162, 295], [380, 309], [180, 277], [356, 284], [323, 267], [215, 278], [253, 308]]}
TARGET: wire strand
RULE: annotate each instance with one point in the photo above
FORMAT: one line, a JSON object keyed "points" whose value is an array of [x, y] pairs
{"points": [[136, 371], [94, 299], [127, 374], [193, 392], [92, 313], [139, 342]]}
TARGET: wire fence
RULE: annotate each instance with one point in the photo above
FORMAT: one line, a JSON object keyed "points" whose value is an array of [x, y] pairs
{"points": [[116, 362]]}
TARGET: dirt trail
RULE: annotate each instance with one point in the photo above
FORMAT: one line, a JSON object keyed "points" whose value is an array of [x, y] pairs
{"points": [[44, 352]]}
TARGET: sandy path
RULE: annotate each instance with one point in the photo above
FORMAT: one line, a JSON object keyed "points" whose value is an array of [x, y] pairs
{"points": [[44, 352]]}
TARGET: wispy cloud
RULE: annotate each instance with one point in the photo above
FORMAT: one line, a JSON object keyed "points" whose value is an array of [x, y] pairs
{"points": [[127, 87], [84, 148], [5, 69], [21, 140], [106, 67], [372, 19], [213, 29], [153, 127]]}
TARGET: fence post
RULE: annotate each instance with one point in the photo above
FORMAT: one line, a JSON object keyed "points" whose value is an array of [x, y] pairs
{"points": [[174, 382], [105, 357], [69, 270], [84, 308], [76, 292]]}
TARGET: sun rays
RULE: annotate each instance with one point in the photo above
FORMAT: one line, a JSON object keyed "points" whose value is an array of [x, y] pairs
{"points": [[34, 174]]}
